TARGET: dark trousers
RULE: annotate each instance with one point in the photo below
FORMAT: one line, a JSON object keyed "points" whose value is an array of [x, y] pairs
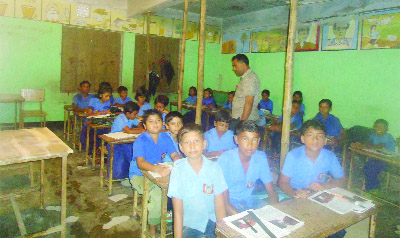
{"points": [[372, 170]]}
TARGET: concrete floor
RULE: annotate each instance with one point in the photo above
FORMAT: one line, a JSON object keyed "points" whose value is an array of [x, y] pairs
{"points": [[88, 202]]}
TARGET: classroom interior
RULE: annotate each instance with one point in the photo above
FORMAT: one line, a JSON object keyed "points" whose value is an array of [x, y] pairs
{"points": [[363, 85]]}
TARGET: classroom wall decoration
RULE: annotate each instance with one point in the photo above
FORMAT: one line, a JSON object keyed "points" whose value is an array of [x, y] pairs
{"points": [[382, 30], [236, 42], [340, 35], [213, 34], [28, 9], [307, 37], [264, 40], [7, 8], [121, 23], [56, 11]]}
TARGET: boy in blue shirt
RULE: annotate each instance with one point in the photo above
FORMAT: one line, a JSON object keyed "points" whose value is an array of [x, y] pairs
{"points": [[265, 102], [149, 149], [123, 96], [161, 103], [332, 123], [141, 98], [219, 138], [242, 167], [81, 100], [228, 104], [196, 187], [192, 99], [173, 123], [298, 96], [379, 139]]}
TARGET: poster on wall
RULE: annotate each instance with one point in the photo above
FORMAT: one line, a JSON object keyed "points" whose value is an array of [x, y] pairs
{"points": [[341, 35], [381, 30], [213, 34], [56, 11], [307, 37], [192, 30], [236, 42], [28, 9], [7, 8], [269, 40], [119, 22]]}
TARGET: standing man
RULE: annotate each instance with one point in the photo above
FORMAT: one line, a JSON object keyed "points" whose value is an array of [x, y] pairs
{"points": [[247, 96]]}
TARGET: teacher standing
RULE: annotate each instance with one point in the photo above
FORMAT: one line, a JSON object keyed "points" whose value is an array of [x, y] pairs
{"points": [[247, 96]]}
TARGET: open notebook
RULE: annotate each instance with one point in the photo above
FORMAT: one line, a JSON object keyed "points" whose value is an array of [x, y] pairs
{"points": [[121, 135]]}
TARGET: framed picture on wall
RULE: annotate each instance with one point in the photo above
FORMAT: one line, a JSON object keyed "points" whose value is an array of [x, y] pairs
{"points": [[236, 42], [340, 35], [269, 40], [307, 37], [381, 30]]}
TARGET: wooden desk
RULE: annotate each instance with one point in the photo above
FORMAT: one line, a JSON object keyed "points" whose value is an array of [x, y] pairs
{"points": [[319, 221], [79, 118], [111, 142], [95, 128], [163, 183], [67, 121], [38, 144], [17, 99], [193, 108]]}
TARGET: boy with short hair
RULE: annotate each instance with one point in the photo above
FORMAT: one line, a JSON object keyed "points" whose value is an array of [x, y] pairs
{"points": [[196, 187], [81, 100], [228, 104], [123, 96], [332, 123], [149, 149], [219, 138], [265, 102], [173, 123], [308, 167], [160, 103], [242, 167]]}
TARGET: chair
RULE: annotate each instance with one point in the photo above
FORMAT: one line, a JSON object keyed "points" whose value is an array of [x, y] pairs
{"points": [[34, 95]]}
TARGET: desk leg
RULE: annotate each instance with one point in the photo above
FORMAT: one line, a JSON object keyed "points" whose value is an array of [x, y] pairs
{"points": [[41, 183], [208, 121], [344, 159], [80, 129], [15, 116], [21, 118], [68, 127], [372, 226], [74, 133], [110, 176], [145, 201], [102, 164], [265, 138], [31, 174], [94, 148], [350, 171], [65, 123], [63, 195], [87, 144], [164, 201]]}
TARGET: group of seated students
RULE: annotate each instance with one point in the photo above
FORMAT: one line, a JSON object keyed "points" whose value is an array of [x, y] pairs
{"points": [[202, 191]]}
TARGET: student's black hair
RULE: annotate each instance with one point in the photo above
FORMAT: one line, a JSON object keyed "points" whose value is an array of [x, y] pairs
{"points": [[241, 58], [248, 125], [83, 82], [195, 90], [139, 93], [104, 90], [223, 116], [151, 112], [232, 93], [172, 115], [382, 121], [131, 107], [210, 91], [161, 99], [296, 102], [300, 94], [327, 101], [105, 85], [191, 127], [122, 89], [317, 125], [266, 91]]}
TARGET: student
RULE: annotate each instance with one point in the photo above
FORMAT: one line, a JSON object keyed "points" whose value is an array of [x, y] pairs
{"points": [[242, 167], [208, 100], [123, 96], [81, 100], [107, 85], [228, 104], [150, 149], [196, 187], [160, 103], [125, 122], [141, 99], [332, 123], [219, 138], [192, 96], [265, 102], [173, 123], [298, 96], [379, 139]]}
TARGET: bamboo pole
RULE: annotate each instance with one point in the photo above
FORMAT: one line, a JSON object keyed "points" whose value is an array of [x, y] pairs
{"points": [[200, 69], [287, 99], [182, 54], [148, 22]]}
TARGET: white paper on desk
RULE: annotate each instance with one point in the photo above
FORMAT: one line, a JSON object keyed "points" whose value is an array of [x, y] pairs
{"points": [[99, 116], [121, 135], [168, 165]]}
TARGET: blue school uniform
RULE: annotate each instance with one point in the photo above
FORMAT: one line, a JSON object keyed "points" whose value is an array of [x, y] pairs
{"points": [[208, 101], [303, 109], [241, 185], [96, 105], [303, 172], [146, 106], [197, 191], [228, 105], [145, 147], [119, 100], [82, 102], [374, 167], [176, 145], [267, 105], [122, 121], [296, 119], [191, 100], [332, 124], [214, 143]]}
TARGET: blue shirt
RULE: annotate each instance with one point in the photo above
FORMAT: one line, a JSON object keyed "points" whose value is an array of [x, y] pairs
{"points": [[82, 102], [386, 139], [191, 99], [121, 121], [153, 153], [146, 106], [208, 101], [96, 105], [120, 101], [303, 109], [214, 143], [267, 105], [296, 119], [197, 191], [241, 185], [303, 172], [176, 145], [228, 105], [332, 124]]}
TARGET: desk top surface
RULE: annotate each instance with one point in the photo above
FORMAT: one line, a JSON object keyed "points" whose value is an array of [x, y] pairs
{"points": [[162, 182], [26, 145], [393, 159], [11, 98], [318, 221]]}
